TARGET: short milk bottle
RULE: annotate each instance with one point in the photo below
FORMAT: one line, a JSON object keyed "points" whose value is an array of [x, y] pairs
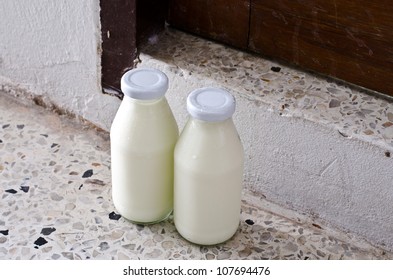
{"points": [[143, 136], [209, 163]]}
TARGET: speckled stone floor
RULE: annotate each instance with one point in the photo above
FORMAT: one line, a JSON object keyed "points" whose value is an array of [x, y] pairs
{"points": [[55, 203], [352, 111]]}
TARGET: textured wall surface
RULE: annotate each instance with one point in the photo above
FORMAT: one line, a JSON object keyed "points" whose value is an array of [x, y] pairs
{"points": [[51, 49]]}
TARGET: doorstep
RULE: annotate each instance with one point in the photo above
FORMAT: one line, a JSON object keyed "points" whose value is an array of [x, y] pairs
{"points": [[313, 144]]}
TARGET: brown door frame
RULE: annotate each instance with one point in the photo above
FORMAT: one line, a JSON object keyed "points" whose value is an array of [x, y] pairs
{"points": [[125, 24]]}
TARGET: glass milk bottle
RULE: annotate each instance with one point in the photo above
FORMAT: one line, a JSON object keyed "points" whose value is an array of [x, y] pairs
{"points": [[208, 169], [143, 136]]}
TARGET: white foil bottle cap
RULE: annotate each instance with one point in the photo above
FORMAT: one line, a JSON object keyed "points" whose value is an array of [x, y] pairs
{"points": [[211, 104], [144, 84]]}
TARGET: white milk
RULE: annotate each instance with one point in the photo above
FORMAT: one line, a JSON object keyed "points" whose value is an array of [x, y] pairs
{"points": [[143, 137], [208, 170]]}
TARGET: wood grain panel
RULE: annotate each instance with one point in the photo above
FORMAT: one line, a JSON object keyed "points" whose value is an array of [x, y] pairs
{"points": [[222, 20], [350, 40], [118, 42], [126, 24]]}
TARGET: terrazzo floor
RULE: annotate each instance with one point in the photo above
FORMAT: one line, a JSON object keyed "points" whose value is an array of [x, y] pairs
{"points": [[351, 111], [55, 203]]}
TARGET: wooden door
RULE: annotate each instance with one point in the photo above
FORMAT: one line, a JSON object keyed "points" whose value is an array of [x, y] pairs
{"points": [[348, 39], [222, 20]]}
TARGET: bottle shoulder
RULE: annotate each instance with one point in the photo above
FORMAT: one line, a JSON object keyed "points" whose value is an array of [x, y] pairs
{"points": [[144, 124], [136, 111], [213, 133], [219, 142]]}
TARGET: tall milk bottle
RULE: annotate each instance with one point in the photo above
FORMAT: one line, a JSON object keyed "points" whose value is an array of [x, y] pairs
{"points": [[143, 137], [208, 169]]}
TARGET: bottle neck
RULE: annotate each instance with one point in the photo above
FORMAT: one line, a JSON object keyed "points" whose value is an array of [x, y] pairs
{"points": [[199, 122], [142, 101]]}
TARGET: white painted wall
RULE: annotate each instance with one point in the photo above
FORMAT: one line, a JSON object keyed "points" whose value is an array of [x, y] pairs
{"points": [[51, 48]]}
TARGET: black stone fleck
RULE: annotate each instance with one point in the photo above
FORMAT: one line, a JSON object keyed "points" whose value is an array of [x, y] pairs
{"points": [[317, 226], [249, 222], [5, 126], [4, 232], [275, 69], [1, 141], [24, 188], [40, 241], [140, 227], [48, 230], [80, 187], [11, 191], [45, 135], [103, 246], [114, 216], [88, 173], [334, 103], [387, 154], [54, 145], [20, 126], [343, 134]]}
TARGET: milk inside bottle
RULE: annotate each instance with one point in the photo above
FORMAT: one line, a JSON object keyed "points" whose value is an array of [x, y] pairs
{"points": [[208, 169], [143, 136]]}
